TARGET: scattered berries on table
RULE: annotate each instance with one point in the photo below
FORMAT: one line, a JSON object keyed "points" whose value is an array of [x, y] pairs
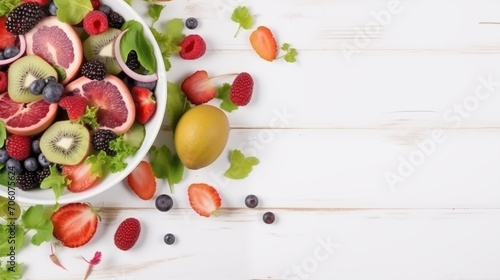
{"points": [[95, 22], [100, 140], [268, 217], [27, 180], [142, 181], [192, 47], [8, 39], [251, 201], [75, 224], [264, 44], [18, 146], [127, 233], [3, 81], [191, 23], [169, 239], [75, 106], [198, 88], [94, 70], [164, 202], [115, 20], [23, 18], [241, 89], [132, 60], [145, 104], [204, 199], [52, 92]]}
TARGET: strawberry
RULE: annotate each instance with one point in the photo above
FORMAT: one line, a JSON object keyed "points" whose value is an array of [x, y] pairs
{"points": [[263, 42], [204, 199], [198, 88], [3, 81], [241, 89], [127, 233], [74, 105], [80, 175], [39, 2], [74, 224], [18, 147], [142, 181], [145, 104], [8, 39], [192, 47]]}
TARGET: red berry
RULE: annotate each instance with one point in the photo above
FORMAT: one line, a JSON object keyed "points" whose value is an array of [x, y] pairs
{"points": [[198, 88], [127, 234], [204, 199], [80, 175], [18, 146], [264, 44], [74, 224], [8, 39], [95, 22], [95, 4], [192, 47], [3, 82], [241, 89], [39, 2], [75, 106], [145, 104]]}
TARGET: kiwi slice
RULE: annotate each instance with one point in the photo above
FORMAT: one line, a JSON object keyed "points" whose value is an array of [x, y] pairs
{"points": [[100, 47], [65, 142], [135, 135], [23, 72]]}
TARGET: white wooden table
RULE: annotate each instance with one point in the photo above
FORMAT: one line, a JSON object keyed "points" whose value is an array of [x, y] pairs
{"points": [[405, 90]]}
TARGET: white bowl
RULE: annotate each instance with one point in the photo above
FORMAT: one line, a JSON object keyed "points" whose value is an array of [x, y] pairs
{"points": [[153, 126]]}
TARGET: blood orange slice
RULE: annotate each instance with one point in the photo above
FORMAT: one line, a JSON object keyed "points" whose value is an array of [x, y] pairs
{"points": [[26, 118], [58, 44], [112, 97]]}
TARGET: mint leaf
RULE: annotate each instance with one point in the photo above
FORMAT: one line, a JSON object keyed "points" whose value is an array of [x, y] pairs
{"points": [[169, 41], [223, 94], [166, 165], [291, 53], [3, 133], [8, 5], [34, 219], [155, 11], [242, 16], [72, 12], [177, 104], [8, 272], [134, 39], [56, 181], [241, 166], [7, 241]]}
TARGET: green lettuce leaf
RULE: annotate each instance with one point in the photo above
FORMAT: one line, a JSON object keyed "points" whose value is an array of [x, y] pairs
{"points": [[177, 104], [241, 166], [223, 94], [35, 219], [166, 165], [134, 39], [72, 12]]}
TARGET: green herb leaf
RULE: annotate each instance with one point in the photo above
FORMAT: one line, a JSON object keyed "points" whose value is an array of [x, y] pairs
{"points": [[8, 243], [169, 41], [155, 11], [223, 94], [98, 163], [72, 12], [3, 133], [8, 5], [166, 165], [90, 117], [134, 39], [35, 219], [291, 53], [177, 104], [8, 272], [241, 166], [4, 177], [242, 16], [56, 181], [123, 150]]}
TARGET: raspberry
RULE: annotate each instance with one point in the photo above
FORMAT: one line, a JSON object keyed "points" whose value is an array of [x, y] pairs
{"points": [[100, 140], [95, 22], [27, 180], [23, 18], [192, 47], [94, 70], [18, 147], [75, 106], [127, 233], [3, 82], [132, 60], [241, 89], [115, 20]]}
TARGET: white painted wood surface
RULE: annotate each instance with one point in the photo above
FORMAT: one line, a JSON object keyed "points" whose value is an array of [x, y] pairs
{"points": [[328, 130]]}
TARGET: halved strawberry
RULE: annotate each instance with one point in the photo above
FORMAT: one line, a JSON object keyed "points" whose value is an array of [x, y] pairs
{"points": [[75, 106], [80, 175], [198, 88], [204, 199], [142, 181], [145, 104], [263, 42], [8, 39], [74, 224]]}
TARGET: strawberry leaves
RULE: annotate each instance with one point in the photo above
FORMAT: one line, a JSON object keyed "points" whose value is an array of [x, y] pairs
{"points": [[223, 94], [56, 181], [169, 41], [241, 166], [242, 16], [291, 53], [34, 219], [166, 165]]}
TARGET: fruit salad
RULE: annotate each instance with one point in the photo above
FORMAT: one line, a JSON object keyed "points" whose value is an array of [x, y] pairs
{"points": [[76, 90]]}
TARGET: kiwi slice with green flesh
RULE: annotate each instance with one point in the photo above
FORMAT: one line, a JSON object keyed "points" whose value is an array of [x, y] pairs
{"points": [[23, 72], [135, 135], [65, 142], [100, 47]]}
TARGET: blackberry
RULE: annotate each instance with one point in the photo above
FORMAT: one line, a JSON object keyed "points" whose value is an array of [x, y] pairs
{"points": [[132, 60], [27, 180], [94, 70], [115, 20], [100, 140], [23, 18], [42, 174]]}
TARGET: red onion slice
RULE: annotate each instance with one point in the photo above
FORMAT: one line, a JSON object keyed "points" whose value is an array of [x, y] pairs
{"points": [[132, 74], [22, 49]]}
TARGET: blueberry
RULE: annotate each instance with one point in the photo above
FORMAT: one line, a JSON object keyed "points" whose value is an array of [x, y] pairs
{"points": [[3, 156], [150, 85], [251, 201], [169, 238], [1, 56], [191, 23], [105, 9], [13, 165], [268, 217], [50, 79], [36, 87], [31, 164], [35, 146], [43, 160], [164, 202], [52, 92], [10, 51], [53, 8]]}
